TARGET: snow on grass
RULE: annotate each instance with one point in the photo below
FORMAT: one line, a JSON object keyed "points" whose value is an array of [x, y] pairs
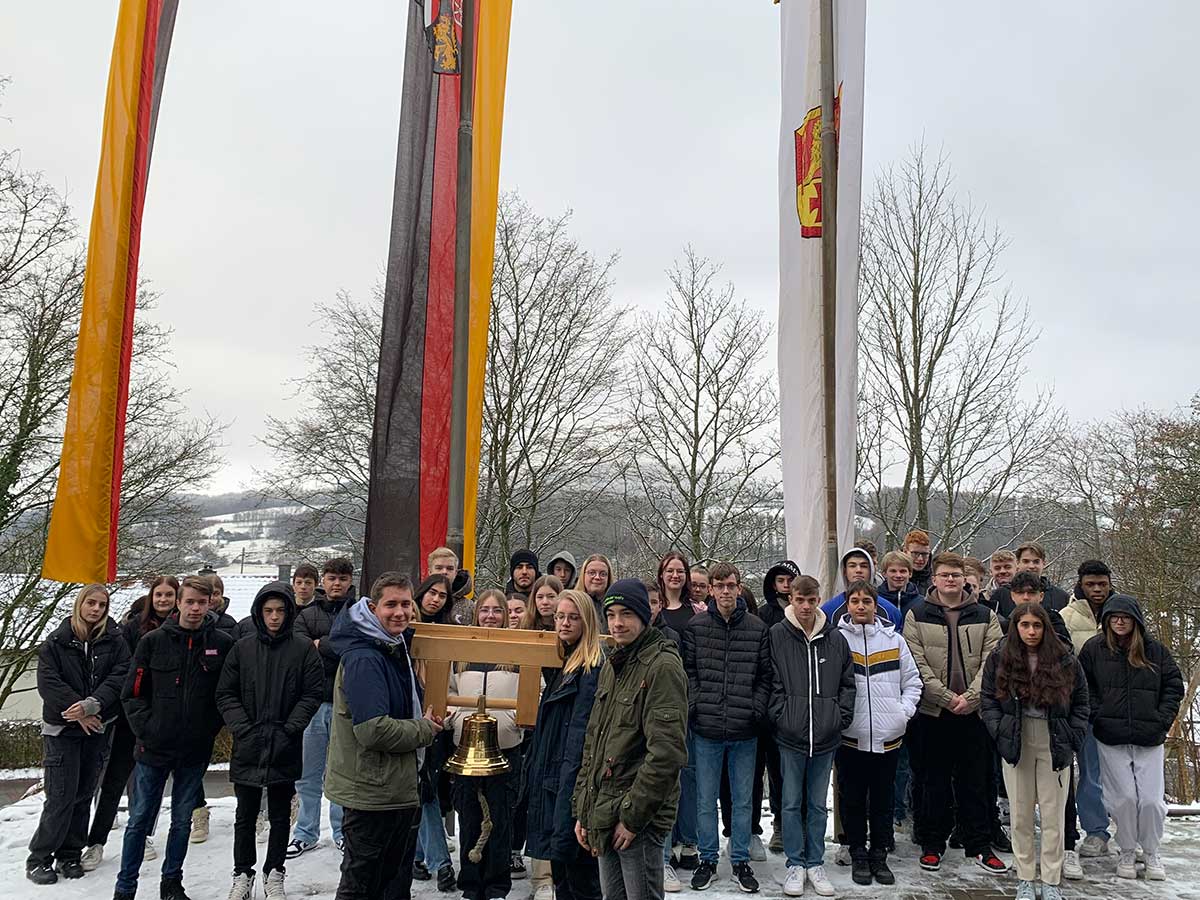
{"points": [[207, 871]]}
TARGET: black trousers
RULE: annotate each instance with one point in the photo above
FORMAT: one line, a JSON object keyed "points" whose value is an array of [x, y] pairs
{"points": [[866, 791], [279, 813], [491, 877], [951, 759], [576, 880], [1071, 826], [375, 846], [72, 771], [113, 783]]}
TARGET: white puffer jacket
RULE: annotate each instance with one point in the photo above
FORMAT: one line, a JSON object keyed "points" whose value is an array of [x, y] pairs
{"points": [[887, 682], [499, 684]]}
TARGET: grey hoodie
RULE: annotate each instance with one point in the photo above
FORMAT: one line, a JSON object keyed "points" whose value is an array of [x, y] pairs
{"points": [[563, 556]]}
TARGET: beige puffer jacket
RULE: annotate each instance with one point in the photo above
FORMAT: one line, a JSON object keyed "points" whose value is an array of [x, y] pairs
{"points": [[928, 636], [1080, 622]]}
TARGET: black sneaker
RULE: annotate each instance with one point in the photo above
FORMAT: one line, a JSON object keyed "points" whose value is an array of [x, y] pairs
{"points": [[931, 860], [121, 895], [172, 889], [880, 870], [41, 874], [688, 859], [705, 874], [744, 876], [991, 863], [421, 871], [70, 868], [446, 880], [860, 869]]}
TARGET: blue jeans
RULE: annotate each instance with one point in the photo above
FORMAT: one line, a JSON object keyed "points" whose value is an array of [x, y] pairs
{"points": [[685, 819], [431, 838], [1089, 798], [804, 822], [903, 774], [312, 781], [711, 759], [144, 801]]}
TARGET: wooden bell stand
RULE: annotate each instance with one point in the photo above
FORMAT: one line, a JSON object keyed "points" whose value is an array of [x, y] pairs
{"points": [[438, 647]]}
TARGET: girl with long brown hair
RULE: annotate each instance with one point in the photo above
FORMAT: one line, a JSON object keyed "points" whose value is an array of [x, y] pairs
{"points": [[1135, 690], [543, 603], [674, 587], [1034, 702]]}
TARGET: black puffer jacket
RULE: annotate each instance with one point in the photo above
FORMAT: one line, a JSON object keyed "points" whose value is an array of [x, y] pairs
{"points": [[270, 688], [813, 689], [728, 666], [170, 692], [1130, 705], [772, 608], [1067, 722], [1001, 601], [315, 622], [70, 670]]}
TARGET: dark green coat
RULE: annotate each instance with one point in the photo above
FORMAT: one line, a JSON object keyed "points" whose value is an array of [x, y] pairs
{"points": [[636, 743]]}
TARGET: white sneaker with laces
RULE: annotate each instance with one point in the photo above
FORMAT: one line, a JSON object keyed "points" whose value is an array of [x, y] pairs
{"points": [[1155, 870], [758, 853], [150, 853], [299, 847], [91, 857], [793, 885], [820, 881], [1071, 869], [843, 855], [243, 887], [671, 883], [200, 817], [274, 885], [1127, 865]]}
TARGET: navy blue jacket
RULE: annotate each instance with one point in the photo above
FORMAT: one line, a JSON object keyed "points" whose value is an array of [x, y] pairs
{"points": [[553, 765], [904, 599], [835, 608], [376, 678]]}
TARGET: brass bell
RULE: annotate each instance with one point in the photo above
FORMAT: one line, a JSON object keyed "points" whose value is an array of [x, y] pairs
{"points": [[478, 752]]}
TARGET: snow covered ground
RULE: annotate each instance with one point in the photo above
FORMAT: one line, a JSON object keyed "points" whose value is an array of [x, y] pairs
{"points": [[315, 875]]}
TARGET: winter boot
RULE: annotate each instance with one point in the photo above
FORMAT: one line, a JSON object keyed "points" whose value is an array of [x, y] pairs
{"points": [[860, 868], [879, 867]]}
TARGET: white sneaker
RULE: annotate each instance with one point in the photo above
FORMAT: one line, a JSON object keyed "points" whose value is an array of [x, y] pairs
{"points": [[91, 857], [820, 881], [274, 885], [1127, 865], [1025, 891], [843, 855], [546, 891], [200, 816], [671, 883], [1155, 870], [150, 853], [793, 885], [1071, 869], [260, 827], [758, 853], [1092, 846], [243, 887]]}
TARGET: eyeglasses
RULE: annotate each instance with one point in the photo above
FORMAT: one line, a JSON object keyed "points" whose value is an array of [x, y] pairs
{"points": [[950, 575], [567, 617], [918, 553]]}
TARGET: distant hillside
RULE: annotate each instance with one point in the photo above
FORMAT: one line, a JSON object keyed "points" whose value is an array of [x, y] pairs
{"points": [[237, 501]]}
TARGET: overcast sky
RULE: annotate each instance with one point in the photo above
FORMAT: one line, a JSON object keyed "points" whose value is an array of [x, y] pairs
{"points": [[1074, 124]]}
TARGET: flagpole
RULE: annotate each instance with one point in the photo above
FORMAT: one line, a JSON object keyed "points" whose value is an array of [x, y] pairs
{"points": [[462, 285], [829, 170]]}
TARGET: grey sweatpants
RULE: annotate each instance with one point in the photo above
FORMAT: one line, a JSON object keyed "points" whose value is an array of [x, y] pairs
{"points": [[1131, 779]]}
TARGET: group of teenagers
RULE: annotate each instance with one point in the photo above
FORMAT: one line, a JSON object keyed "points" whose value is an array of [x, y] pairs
{"points": [[931, 693]]}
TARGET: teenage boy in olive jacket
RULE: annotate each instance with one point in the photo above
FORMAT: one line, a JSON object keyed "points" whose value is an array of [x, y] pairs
{"points": [[627, 792]]}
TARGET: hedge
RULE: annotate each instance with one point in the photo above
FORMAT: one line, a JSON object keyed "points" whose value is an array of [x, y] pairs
{"points": [[21, 745]]}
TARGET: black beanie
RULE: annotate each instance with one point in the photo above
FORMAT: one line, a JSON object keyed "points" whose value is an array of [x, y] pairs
{"points": [[523, 556], [631, 593]]}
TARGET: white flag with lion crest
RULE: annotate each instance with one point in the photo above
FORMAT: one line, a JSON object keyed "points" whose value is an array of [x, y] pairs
{"points": [[800, 339]]}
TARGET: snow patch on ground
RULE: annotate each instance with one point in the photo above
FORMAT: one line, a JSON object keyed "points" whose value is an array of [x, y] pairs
{"points": [[207, 871]]}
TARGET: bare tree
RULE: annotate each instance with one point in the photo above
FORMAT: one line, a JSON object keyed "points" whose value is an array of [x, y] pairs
{"points": [[943, 406], [554, 387], [703, 476], [41, 298], [323, 454]]}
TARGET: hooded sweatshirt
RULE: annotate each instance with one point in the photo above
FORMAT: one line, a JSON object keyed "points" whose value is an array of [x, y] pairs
{"points": [[774, 604], [563, 556], [835, 607]]}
